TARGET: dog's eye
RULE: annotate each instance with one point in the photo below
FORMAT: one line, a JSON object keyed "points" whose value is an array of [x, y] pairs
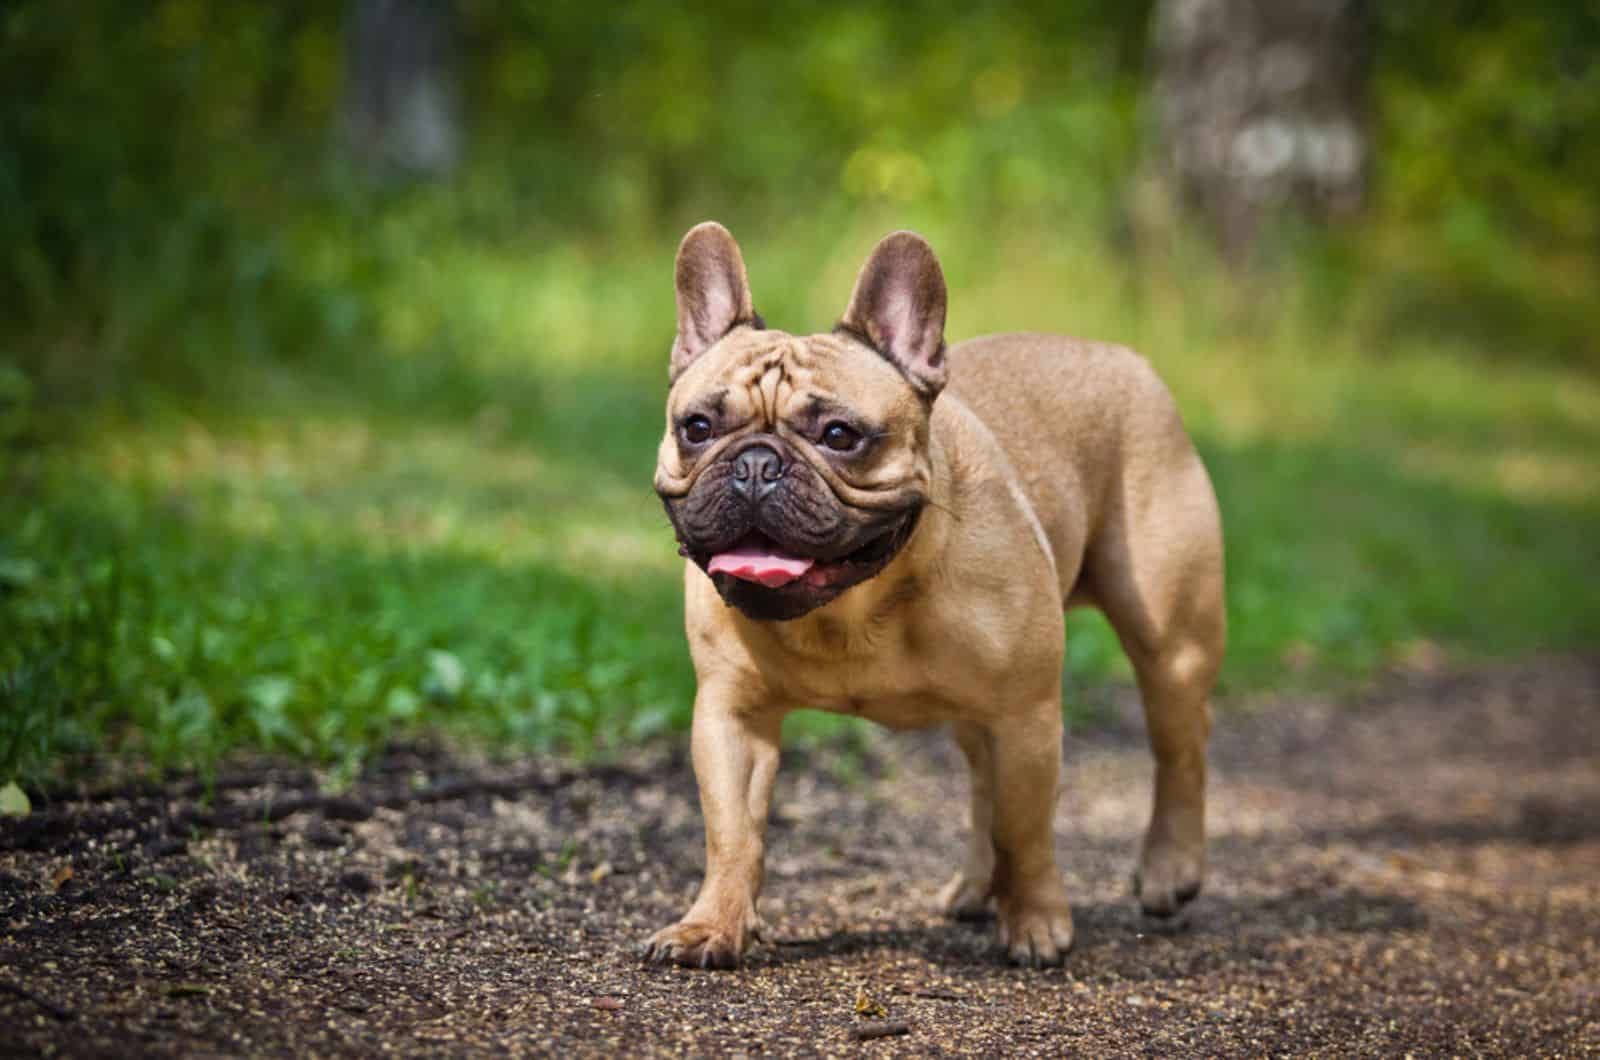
{"points": [[840, 437], [696, 429]]}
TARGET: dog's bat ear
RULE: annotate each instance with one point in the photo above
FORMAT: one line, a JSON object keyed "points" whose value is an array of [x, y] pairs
{"points": [[713, 292], [898, 308]]}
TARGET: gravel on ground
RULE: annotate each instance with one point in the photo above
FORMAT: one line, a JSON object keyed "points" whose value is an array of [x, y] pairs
{"points": [[1414, 869]]}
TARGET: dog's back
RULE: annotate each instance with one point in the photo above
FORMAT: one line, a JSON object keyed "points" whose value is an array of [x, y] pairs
{"points": [[1117, 454]]}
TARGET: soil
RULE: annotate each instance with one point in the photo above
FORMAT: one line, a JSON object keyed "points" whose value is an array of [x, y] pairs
{"points": [[1417, 871]]}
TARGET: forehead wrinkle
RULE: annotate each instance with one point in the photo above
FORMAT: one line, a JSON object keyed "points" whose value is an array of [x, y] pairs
{"points": [[743, 374], [773, 374], [767, 390]]}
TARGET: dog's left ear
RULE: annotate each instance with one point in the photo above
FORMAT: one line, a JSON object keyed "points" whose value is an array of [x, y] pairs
{"points": [[898, 306], [713, 292]]}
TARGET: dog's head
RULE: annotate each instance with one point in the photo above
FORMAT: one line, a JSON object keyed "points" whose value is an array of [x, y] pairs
{"points": [[794, 467]]}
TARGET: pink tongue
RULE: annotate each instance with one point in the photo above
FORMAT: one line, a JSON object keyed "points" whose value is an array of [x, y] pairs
{"points": [[755, 564]]}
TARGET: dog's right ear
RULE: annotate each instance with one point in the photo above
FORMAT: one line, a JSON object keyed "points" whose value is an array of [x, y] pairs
{"points": [[713, 292]]}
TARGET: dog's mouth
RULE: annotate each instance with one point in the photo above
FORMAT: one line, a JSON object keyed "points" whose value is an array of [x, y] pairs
{"points": [[759, 559]]}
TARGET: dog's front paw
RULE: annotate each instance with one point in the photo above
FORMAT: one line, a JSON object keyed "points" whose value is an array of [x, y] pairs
{"points": [[965, 897], [697, 944], [1036, 933], [1169, 876]]}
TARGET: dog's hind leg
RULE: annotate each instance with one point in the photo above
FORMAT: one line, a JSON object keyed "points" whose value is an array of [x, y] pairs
{"points": [[1155, 569], [1175, 686]]}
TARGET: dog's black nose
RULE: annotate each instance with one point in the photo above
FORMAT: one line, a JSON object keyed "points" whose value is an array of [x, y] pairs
{"points": [[756, 471]]}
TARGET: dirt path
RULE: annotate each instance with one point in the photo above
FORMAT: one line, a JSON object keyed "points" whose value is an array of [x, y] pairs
{"points": [[1418, 872]]}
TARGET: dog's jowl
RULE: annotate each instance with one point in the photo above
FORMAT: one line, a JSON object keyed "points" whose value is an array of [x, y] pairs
{"points": [[880, 525]]}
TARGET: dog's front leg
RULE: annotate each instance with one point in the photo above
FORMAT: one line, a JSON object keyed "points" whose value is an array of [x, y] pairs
{"points": [[1034, 918], [969, 890], [735, 761]]}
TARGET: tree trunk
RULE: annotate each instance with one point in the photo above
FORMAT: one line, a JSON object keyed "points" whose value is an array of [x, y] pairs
{"points": [[1261, 107], [400, 110]]}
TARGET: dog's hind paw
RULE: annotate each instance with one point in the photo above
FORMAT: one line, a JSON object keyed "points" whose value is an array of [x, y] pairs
{"points": [[965, 898], [1167, 880]]}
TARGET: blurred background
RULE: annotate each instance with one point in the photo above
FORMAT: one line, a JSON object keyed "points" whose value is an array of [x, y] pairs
{"points": [[333, 339]]}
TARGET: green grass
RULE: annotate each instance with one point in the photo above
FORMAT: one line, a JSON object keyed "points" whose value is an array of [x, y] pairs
{"points": [[455, 530]]}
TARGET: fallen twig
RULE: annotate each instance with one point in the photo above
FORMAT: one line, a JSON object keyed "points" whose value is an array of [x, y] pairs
{"points": [[938, 995], [865, 1032]]}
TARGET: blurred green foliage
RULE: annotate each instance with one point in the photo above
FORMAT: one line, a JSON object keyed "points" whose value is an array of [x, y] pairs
{"points": [[168, 188], [296, 457], [1487, 216]]}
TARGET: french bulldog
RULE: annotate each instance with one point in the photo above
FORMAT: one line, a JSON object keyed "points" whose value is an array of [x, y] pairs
{"points": [[878, 526]]}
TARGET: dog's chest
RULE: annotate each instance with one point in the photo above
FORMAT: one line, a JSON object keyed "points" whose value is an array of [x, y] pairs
{"points": [[887, 695], [883, 674]]}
